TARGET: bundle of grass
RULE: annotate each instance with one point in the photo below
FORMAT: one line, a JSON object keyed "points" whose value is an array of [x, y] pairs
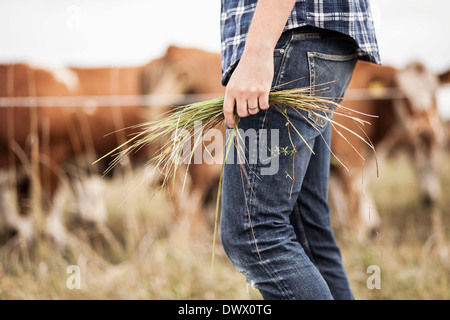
{"points": [[180, 126]]}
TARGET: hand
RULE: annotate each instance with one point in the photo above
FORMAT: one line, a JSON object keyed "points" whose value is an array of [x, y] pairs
{"points": [[249, 86]]}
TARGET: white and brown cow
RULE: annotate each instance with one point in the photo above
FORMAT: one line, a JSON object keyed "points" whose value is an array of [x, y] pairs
{"points": [[404, 100], [39, 138]]}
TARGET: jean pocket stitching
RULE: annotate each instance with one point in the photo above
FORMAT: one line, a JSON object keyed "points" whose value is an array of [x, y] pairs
{"points": [[301, 36], [283, 53], [333, 57], [318, 121]]}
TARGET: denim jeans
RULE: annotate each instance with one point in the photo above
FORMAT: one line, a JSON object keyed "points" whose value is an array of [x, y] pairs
{"points": [[275, 226]]}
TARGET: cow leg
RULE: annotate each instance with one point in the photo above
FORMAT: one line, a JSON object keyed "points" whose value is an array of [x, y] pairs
{"points": [[430, 189], [351, 207], [187, 203], [350, 201], [190, 222], [427, 160], [90, 203], [10, 212], [368, 210], [54, 193], [368, 215], [337, 200], [180, 199], [439, 234], [195, 214], [54, 225], [21, 224]]}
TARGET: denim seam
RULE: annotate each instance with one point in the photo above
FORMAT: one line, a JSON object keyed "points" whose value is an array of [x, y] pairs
{"points": [[280, 70], [267, 268], [333, 57], [312, 83], [252, 207], [283, 60], [301, 36], [254, 166]]}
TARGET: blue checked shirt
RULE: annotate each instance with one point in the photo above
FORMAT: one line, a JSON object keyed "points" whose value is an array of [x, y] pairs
{"points": [[350, 17]]}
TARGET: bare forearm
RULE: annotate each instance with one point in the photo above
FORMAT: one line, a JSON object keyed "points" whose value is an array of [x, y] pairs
{"points": [[267, 24], [249, 85]]}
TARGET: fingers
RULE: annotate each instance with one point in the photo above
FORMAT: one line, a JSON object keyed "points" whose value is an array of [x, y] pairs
{"points": [[264, 100], [241, 106], [246, 102], [228, 110]]}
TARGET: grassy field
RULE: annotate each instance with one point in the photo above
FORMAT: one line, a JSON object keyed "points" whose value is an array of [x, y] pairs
{"points": [[137, 254]]}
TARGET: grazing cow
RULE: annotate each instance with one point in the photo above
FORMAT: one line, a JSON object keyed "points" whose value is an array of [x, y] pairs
{"points": [[408, 119], [39, 137]]}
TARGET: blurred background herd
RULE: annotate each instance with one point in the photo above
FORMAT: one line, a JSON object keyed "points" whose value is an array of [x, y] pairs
{"points": [[77, 76]]}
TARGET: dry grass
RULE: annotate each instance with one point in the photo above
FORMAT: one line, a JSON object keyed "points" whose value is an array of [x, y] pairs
{"points": [[161, 265], [405, 250]]}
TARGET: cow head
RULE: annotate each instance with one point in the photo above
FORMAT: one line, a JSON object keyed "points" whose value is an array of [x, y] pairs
{"points": [[179, 72], [408, 119], [418, 115]]}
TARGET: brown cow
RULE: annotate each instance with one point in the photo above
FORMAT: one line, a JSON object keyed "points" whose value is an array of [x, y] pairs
{"points": [[39, 138], [408, 119]]}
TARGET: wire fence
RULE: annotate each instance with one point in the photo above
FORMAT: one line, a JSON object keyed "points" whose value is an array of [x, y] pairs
{"points": [[104, 100], [169, 99]]}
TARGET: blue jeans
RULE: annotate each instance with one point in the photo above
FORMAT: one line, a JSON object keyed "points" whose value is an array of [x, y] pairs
{"points": [[275, 224]]}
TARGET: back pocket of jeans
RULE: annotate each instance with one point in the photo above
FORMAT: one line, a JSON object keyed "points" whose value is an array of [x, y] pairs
{"points": [[330, 75]]}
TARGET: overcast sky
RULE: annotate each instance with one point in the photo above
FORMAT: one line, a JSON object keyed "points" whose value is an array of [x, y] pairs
{"points": [[132, 32], [104, 32], [93, 32]]}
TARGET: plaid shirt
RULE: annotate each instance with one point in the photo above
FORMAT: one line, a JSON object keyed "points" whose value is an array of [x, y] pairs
{"points": [[350, 17]]}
